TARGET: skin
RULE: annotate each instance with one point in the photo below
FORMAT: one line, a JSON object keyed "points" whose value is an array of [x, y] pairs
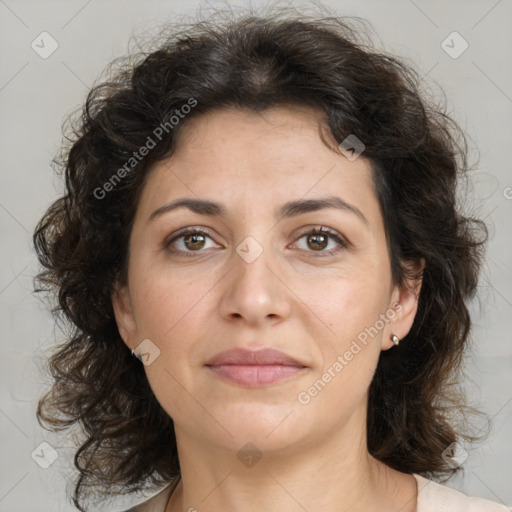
{"points": [[294, 297]]}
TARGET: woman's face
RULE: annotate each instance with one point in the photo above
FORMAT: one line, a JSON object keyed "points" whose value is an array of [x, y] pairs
{"points": [[258, 278]]}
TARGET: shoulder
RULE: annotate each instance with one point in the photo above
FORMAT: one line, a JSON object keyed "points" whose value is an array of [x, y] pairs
{"points": [[434, 497], [156, 503]]}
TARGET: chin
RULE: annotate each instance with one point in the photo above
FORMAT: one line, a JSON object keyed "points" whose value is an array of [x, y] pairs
{"points": [[269, 428]]}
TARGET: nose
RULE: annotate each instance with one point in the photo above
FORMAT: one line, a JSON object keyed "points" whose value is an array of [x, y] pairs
{"points": [[254, 291]]}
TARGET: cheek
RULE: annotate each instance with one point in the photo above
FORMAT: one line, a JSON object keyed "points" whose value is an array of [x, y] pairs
{"points": [[349, 304], [345, 302], [167, 304], [349, 354], [170, 311]]}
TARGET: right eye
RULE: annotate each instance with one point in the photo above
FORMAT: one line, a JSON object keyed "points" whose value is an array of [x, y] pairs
{"points": [[188, 241]]}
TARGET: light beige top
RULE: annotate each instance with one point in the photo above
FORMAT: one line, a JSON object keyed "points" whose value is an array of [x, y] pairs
{"points": [[432, 497]]}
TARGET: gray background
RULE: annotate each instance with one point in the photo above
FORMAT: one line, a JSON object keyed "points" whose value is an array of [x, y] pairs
{"points": [[36, 94]]}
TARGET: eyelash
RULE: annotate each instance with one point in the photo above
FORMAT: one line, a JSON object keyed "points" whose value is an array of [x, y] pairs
{"points": [[316, 230]]}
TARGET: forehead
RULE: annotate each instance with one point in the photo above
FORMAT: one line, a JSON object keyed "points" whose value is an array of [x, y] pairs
{"points": [[251, 160], [284, 137]]}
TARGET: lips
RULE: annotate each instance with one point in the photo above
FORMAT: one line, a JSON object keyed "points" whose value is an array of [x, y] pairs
{"points": [[254, 369], [241, 356]]}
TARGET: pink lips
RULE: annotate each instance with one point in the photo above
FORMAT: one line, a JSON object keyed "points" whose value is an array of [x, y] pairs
{"points": [[254, 369]]}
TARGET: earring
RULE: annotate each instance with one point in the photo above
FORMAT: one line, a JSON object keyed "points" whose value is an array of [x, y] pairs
{"points": [[395, 339]]}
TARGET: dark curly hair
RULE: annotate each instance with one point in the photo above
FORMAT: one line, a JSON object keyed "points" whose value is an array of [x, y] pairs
{"points": [[252, 61]]}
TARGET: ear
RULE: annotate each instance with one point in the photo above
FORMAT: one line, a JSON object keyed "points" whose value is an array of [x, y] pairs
{"points": [[404, 303], [123, 313]]}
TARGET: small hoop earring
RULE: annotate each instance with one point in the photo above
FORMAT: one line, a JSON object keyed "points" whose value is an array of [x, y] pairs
{"points": [[395, 339]]}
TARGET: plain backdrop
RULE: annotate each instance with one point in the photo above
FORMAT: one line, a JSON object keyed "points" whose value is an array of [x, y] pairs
{"points": [[36, 94]]}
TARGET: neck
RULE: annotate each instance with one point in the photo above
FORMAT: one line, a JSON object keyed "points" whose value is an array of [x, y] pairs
{"points": [[333, 472]]}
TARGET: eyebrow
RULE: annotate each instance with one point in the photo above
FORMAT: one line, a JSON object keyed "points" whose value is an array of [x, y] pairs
{"points": [[287, 210]]}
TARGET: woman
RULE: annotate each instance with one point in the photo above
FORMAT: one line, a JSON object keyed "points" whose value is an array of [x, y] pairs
{"points": [[260, 252]]}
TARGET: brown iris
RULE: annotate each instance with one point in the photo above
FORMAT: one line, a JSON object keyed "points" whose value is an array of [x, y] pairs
{"points": [[195, 239], [315, 238]]}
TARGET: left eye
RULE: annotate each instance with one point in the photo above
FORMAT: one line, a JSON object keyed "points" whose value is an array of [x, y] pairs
{"points": [[318, 241]]}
